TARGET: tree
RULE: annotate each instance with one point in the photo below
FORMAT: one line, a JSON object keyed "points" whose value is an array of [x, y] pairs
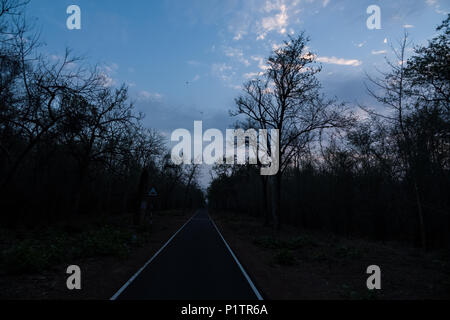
{"points": [[191, 176], [287, 98], [415, 93]]}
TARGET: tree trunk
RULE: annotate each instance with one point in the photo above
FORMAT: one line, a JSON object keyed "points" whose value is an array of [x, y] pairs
{"points": [[276, 201], [84, 167], [265, 204], [140, 198], [423, 238]]}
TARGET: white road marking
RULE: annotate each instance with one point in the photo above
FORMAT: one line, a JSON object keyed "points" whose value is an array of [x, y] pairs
{"points": [[250, 282], [118, 293]]}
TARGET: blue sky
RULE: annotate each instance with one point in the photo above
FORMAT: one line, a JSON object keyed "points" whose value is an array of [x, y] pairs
{"points": [[185, 60], [156, 47]]}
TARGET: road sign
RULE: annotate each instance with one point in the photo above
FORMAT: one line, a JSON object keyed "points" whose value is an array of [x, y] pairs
{"points": [[153, 192]]}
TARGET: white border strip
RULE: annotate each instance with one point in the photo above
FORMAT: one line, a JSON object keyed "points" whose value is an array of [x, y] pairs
{"points": [[250, 282], [118, 293]]}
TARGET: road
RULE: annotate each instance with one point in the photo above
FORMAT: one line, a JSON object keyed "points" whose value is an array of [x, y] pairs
{"points": [[195, 264]]}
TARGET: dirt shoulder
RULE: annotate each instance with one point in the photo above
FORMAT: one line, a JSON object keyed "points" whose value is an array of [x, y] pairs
{"points": [[101, 276], [308, 265]]}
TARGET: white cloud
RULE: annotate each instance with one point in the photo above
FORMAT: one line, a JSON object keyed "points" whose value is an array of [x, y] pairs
{"points": [[239, 35], [235, 86], [112, 68], [252, 75], [223, 71], [237, 54], [276, 46], [106, 80], [436, 6], [340, 61], [149, 96], [221, 67], [277, 22], [106, 74], [261, 62], [379, 52], [193, 63], [408, 26]]}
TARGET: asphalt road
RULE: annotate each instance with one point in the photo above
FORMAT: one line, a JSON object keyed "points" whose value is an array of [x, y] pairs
{"points": [[196, 264]]}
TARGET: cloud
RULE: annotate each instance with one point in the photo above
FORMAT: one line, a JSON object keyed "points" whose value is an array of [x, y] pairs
{"points": [[277, 22], [149, 96], [408, 26], [239, 35], [436, 6], [259, 19], [238, 54], [194, 63], [340, 61], [106, 74], [276, 46], [253, 75], [223, 71], [221, 67], [379, 52], [261, 62], [112, 68], [106, 80]]}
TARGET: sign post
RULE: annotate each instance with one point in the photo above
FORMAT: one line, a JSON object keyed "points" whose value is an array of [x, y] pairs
{"points": [[152, 194]]}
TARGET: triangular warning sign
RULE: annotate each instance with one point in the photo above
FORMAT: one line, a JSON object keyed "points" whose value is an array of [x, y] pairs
{"points": [[153, 192]]}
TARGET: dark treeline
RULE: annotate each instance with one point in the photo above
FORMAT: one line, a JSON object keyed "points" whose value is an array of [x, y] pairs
{"points": [[383, 175], [70, 143]]}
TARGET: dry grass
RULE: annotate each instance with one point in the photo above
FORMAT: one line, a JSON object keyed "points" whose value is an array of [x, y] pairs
{"points": [[298, 264]]}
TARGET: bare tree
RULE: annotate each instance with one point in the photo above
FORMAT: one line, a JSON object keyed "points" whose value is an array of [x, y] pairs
{"points": [[287, 98], [191, 176], [391, 90]]}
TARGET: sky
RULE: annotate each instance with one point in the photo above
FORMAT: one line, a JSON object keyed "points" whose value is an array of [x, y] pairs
{"points": [[186, 60]]}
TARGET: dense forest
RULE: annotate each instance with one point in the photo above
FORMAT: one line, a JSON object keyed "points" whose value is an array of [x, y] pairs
{"points": [[70, 143], [86, 185], [377, 171]]}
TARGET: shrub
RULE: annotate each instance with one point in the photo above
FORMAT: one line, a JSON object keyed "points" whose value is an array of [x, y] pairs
{"points": [[52, 247], [27, 256]]}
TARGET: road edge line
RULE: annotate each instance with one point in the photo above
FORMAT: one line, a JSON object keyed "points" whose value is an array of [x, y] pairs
{"points": [[247, 277], [119, 292]]}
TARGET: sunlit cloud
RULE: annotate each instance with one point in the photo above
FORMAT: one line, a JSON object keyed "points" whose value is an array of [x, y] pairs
{"points": [[340, 61], [375, 52]]}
